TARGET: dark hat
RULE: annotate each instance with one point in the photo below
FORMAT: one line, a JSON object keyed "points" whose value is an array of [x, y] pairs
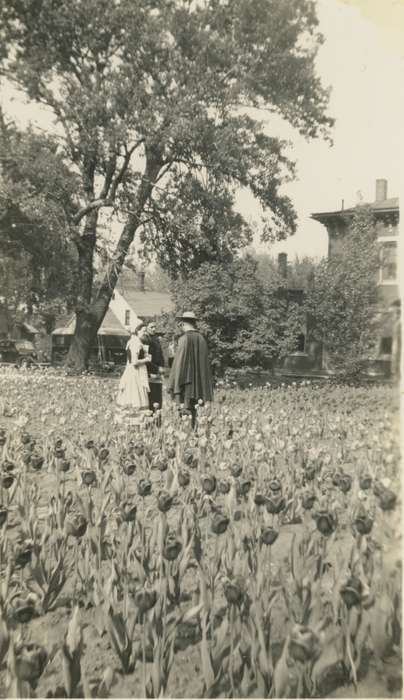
{"points": [[187, 316]]}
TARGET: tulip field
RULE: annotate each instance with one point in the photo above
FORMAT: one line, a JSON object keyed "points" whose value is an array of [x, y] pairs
{"points": [[258, 556]]}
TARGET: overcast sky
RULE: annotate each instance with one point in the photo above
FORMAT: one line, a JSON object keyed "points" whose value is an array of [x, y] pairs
{"points": [[362, 59]]}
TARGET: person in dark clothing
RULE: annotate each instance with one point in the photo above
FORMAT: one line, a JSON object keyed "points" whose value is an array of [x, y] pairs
{"points": [[191, 374], [155, 368]]}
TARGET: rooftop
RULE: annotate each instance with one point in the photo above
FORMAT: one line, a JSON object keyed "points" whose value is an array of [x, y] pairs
{"points": [[145, 303], [109, 326], [386, 205]]}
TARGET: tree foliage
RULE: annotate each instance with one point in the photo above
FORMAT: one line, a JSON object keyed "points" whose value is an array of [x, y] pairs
{"points": [[36, 191], [150, 103], [246, 321], [342, 301]]}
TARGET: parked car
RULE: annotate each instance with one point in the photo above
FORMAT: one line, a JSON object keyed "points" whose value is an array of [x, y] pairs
{"points": [[18, 352]]}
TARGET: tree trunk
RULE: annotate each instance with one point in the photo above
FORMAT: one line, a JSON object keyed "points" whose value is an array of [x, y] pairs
{"points": [[90, 316], [86, 323]]}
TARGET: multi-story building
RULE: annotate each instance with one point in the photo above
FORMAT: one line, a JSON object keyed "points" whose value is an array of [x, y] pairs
{"points": [[387, 215]]}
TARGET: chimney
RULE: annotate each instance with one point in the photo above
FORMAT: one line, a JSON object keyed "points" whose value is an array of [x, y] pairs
{"points": [[283, 265], [381, 190], [142, 276]]}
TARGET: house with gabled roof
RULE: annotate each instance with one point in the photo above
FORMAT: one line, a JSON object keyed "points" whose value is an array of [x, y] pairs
{"points": [[130, 302]]}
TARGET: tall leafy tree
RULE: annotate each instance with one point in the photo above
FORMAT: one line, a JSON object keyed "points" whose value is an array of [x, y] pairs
{"points": [[37, 255], [342, 301], [150, 100]]}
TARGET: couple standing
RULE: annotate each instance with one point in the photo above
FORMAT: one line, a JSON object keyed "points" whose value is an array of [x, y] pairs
{"points": [[190, 377]]}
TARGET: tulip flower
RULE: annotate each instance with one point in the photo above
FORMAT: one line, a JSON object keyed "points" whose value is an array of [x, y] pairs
{"points": [[184, 477], [208, 482], [365, 482], [88, 477], [223, 486], [144, 487], [128, 468], [308, 500], [233, 592], [219, 524], [76, 525], [351, 592], [145, 599], [345, 483], [326, 522], [37, 461], [30, 661], [164, 501], [129, 511], [275, 486], [172, 548], [304, 644], [260, 499], [275, 503], [7, 480], [236, 470], [363, 523], [269, 535]]}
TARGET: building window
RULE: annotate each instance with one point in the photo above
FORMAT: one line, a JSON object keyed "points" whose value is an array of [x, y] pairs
{"points": [[127, 317], [386, 346], [388, 260]]}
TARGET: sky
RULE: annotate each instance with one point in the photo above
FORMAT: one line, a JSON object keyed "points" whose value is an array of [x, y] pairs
{"points": [[362, 60]]}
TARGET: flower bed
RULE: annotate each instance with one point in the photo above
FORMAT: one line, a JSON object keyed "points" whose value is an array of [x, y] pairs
{"points": [[258, 557]]}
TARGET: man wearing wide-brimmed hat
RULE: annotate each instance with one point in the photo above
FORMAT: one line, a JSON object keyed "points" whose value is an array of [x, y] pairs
{"points": [[191, 374]]}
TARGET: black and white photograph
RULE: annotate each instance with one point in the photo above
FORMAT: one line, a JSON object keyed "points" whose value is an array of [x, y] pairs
{"points": [[200, 348]]}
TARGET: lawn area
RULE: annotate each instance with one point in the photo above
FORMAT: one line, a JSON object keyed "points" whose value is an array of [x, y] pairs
{"points": [[256, 557]]}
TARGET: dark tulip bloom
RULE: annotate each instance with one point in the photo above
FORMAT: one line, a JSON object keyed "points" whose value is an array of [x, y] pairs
{"points": [[58, 443], [88, 477], [139, 449], [220, 523], [129, 468], [103, 454], [144, 487], [325, 521], [76, 525], [275, 503], [190, 458], [164, 501], [25, 438], [129, 512], [275, 486], [238, 515], [387, 499], [208, 482], [351, 592], [336, 478], [3, 515], [223, 486], [30, 662], [233, 593], [172, 548], [8, 466], [145, 600], [269, 535], [304, 644], [64, 465], [308, 500], [365, 482], [37, 462], [161, 465], [59, 452], [89, 444], [243, 487], [345, 483], [310, 472], [23, 609], [260, 499], [236, 470], [7, 480], [363, 524], [170, 452], [2, 439], [184, 477], [23, 556]]}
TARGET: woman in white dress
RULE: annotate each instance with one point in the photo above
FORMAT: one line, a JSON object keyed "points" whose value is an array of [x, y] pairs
{"points": [[133, 391]]}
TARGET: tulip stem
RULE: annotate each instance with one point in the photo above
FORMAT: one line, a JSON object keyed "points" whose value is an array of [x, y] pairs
{"points": [[144, 656]]}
